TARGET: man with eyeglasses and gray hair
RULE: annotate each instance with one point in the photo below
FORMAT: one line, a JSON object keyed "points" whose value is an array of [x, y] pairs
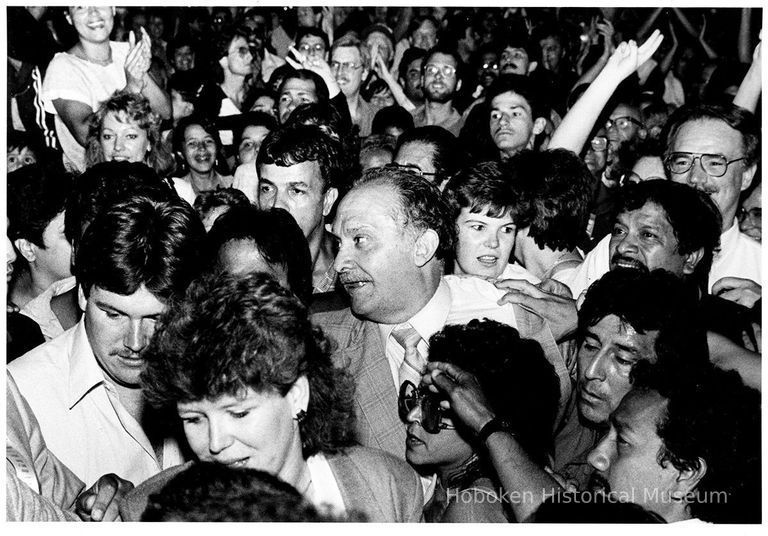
{"points": [[440, 81], [714, 148]]}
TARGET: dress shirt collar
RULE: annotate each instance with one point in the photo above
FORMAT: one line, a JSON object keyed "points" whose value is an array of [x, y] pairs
{"points": [[430, 319], [84, 371]]}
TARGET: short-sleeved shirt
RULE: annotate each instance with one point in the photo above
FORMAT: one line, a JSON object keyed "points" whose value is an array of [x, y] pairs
{"points": [[71, 78]]}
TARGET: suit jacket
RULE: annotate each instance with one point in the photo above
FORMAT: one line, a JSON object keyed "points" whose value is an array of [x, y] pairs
{"points": [[357, 346], [375, 483]]}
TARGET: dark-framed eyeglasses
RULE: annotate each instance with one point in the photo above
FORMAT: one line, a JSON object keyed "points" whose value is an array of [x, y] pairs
{"points": [[307, 48], [412, 168], [428, 403], [623, 122], [599, 143], [754, 214], [446, 70], [715, 165], [346, 66]]}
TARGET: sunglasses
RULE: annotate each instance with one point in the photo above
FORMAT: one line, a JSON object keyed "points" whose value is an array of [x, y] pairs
{"points": [[428, 402]]}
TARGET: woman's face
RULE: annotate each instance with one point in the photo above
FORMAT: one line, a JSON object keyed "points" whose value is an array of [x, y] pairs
{"points": [[254, 431], [92, 23], [122, 139], [184, 58], [251, 143], [199, 149], [444, 450]]}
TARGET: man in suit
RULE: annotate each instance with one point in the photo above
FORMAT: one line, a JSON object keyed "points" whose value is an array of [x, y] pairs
{"points": [[395, 232]]}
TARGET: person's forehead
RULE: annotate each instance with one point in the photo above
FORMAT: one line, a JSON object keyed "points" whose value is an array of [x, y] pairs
{"points": [[237, 42], [510, 99], [141, 303], [440, 58], [195, 131], [369, 202], [346, 52], [707, 136], [640, 410], [255, 131], [310, 39], [184, 49], [426, 27], [514, 50], [379, 38], [298, 85], [416, 152], [623, 110], [611, 328], [307, 172], [415, 64], [482, 215]]}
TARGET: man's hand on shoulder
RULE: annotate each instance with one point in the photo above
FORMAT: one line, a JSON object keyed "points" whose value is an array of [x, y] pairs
{"points": [[550, 300]]}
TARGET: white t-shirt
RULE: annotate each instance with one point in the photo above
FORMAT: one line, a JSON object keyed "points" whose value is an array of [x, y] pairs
{"points": [[71, 78]]}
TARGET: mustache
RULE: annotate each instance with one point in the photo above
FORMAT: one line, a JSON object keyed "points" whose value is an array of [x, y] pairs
{"points": [[638, 265], [598, 483]]}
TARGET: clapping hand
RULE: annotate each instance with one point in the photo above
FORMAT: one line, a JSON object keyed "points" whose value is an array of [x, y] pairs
{"points": [[138, 60]]}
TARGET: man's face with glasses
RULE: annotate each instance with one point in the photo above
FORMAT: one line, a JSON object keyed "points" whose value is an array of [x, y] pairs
{"points": [[312, 46], [624, 124], [347, 66], [439, 78], [709, 155]]}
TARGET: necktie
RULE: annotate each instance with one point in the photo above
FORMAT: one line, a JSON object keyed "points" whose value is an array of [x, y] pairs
{"points": [[414, 364]]}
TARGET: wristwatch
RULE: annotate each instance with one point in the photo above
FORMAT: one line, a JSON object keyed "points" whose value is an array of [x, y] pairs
{"points": [[494, 425]]}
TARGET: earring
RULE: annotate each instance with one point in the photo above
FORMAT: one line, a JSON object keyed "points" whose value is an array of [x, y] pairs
{"points": [[300, 416]]}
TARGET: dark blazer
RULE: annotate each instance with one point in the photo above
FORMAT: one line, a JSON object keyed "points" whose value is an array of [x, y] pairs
{"points": [[382, 487], [357, 346]]}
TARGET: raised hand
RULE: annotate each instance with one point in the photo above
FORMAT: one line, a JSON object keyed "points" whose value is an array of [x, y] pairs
{"points": [[628, 56], [465, 397], [138, 61], [606, 29]]}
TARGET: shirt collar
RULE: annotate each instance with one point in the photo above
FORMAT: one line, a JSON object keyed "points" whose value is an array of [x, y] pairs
{"points": [[430, 319], [84, 371], [729, 238]]}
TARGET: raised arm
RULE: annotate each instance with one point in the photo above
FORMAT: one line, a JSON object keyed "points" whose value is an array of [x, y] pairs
{"points": [[666, 62], [137, 75], [578, 122], [699, 36], [394, 87], [317, 65], [649, 22], [749, 91], [518, 474], [745, 30], [605, 29]]}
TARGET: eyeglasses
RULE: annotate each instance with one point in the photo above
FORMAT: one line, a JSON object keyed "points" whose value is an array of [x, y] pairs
{"points": [[447, 70], [599, 143], [346, 66], [514, 55], [623, 122], [492, 66], [755, 215], [411, 397], [412, 168], [714, 165], [317, 47]]}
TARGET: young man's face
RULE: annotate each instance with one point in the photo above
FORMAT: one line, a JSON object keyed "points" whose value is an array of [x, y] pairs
{"points": [[626, 461], [514, 60], [512, 124], [605, 358], [119, 328], [484, 244], [312, 46], [413, 87], [295, 92], [299, 190]]}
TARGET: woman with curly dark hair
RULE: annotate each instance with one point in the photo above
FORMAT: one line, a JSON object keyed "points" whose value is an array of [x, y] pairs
{"points": [[254, 386], [520, 386], [124, 128]]}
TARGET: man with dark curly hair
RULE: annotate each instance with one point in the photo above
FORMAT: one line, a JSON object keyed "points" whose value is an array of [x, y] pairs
{"points": [[685, 444], [395, 233]]}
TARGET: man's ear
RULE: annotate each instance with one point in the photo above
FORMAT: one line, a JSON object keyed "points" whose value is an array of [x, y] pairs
{"points": [[329, 198], [27, 249], [539, 125], [532, 66], [458, 86], [692, 260], [224, 62], [298, 395], [747, 175], [688, 479], [425, 247]]}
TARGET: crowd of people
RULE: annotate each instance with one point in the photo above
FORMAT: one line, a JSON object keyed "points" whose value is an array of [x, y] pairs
{"points": [[384, 264]]}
